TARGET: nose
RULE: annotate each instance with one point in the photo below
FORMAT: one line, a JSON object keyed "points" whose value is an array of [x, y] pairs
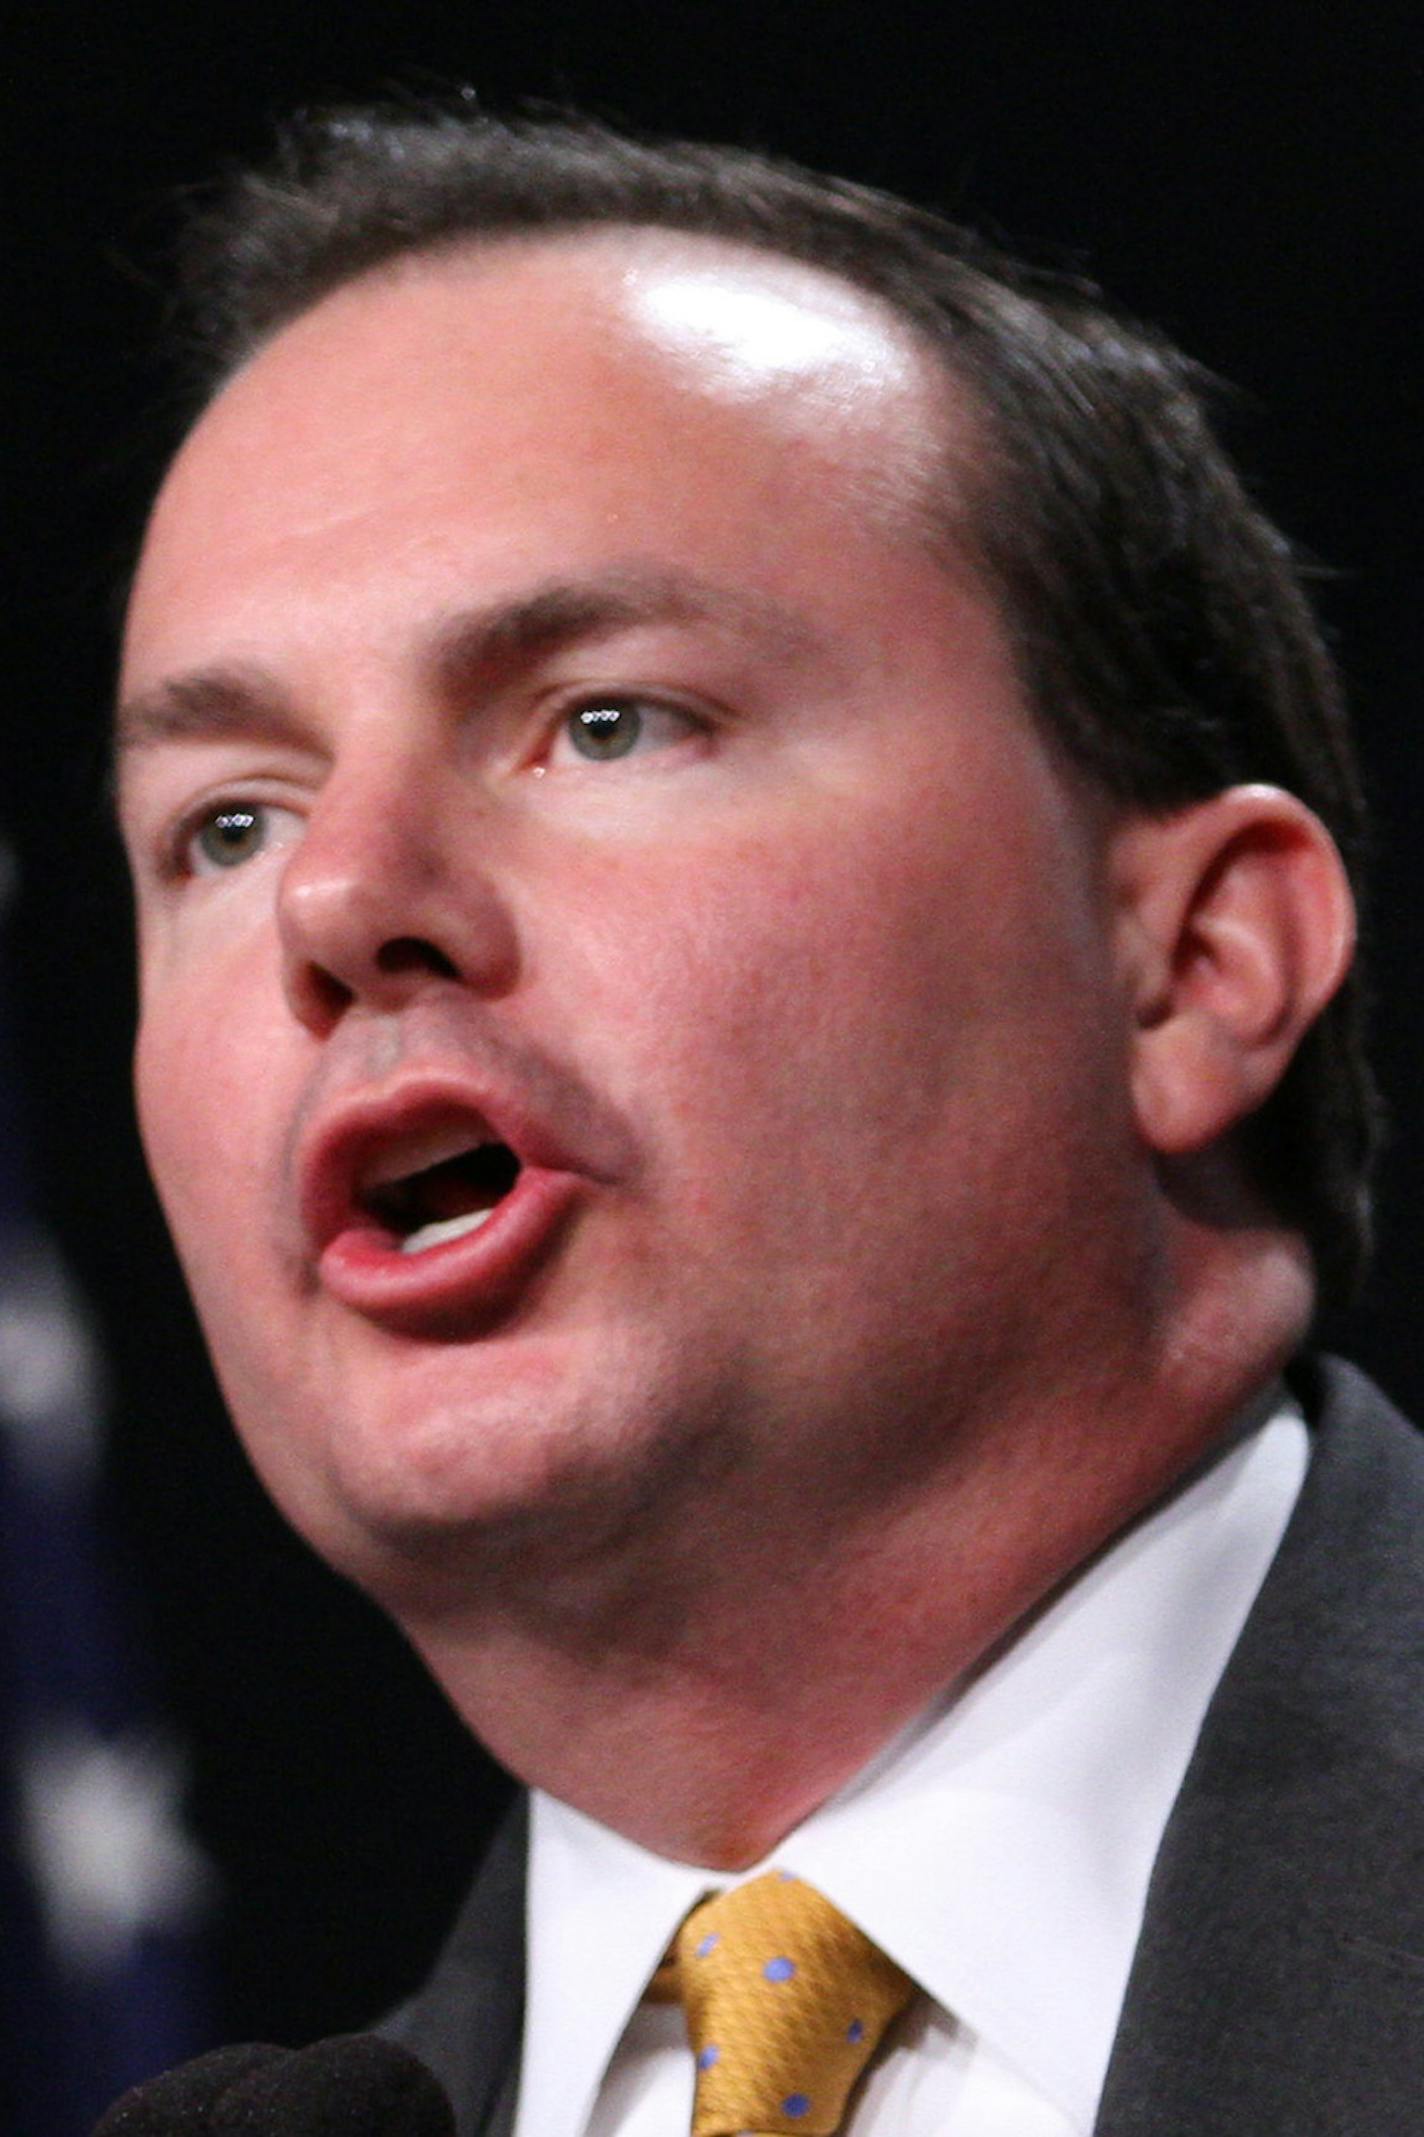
{"points": [[382, 899]]}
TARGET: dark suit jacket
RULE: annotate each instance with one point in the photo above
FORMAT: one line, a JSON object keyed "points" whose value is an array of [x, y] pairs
{"points": [[1278, 1985]]}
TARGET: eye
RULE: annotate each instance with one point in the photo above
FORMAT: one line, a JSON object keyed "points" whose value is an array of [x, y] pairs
{"points": [[225, 837], [601, 729]]}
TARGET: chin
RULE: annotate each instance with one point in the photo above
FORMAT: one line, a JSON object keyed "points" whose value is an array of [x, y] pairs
{"points": [[460, 1501]]}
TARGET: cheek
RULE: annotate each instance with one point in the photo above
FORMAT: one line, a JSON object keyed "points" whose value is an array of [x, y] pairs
{"points": [[176, 1120], [827, 981], [207, 1078], [833, 1034]]}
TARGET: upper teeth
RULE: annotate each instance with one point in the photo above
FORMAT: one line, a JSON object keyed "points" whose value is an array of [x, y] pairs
{"points": [[417, 1153]]}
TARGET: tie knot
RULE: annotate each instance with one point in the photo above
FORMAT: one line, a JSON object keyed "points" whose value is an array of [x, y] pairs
{"points": [[786, 2002]]}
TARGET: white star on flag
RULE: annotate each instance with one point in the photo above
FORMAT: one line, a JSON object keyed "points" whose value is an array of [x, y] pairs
{"points": [[104, 1843]]}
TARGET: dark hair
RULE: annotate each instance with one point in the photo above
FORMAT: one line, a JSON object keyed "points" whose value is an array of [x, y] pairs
{"points": [[1160, 621]]}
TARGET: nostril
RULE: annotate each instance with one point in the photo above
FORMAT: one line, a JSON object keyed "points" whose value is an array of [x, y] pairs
{"points": [[329, 995], [409, 953], [321, 988]]}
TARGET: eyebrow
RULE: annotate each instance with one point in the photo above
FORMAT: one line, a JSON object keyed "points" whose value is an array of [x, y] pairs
{"points": [[203, 706], [568, 612], [483, 644]]}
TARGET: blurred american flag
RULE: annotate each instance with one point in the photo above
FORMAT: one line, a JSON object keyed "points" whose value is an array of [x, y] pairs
{"points": [[101, 1891]]}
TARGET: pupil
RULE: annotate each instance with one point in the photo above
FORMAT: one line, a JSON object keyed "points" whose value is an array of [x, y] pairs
{"points": [[606, 730]]}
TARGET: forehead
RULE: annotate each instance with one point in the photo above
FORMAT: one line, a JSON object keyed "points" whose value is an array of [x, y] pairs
{"points": [[586, 376], [614, 309]]}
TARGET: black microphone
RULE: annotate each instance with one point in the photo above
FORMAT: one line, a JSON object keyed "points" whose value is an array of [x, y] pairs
{"points": [[355, 2085]]}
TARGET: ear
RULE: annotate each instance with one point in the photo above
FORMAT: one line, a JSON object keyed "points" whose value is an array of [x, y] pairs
{"points": [[1235, 925]]}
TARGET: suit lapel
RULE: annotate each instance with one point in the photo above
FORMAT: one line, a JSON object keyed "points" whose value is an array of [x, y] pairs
{"points": [[465, 2023], [1279, 1979]]}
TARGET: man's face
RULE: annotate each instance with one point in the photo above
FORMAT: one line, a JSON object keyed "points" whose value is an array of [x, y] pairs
{"points": [[551, 730]]}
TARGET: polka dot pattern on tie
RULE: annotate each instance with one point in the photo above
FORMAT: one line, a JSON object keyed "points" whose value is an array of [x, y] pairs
{"points": [[785, 2000]]}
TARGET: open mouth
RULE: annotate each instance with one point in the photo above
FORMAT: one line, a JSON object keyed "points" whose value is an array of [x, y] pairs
{"points": [[443, 1196], [419, 1215]]}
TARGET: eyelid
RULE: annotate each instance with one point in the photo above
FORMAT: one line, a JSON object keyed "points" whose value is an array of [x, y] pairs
{"points": [[176, 846], [166, 788], [698, 718]]}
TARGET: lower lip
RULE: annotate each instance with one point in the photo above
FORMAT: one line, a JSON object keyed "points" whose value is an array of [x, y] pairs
{"points": [[482, 1272]]}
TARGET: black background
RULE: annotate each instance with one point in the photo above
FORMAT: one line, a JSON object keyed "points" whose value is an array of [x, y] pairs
{"points": [[1249, 176]]}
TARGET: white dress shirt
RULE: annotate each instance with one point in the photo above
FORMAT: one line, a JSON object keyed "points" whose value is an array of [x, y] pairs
{"points": [[999, 1850]]}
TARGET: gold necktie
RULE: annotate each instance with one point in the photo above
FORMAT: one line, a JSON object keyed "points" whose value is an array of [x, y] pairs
{"points": [[786, 2002]]}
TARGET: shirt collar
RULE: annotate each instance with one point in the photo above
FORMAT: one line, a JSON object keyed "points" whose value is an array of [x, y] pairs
{"points": [[1000, 1848]]}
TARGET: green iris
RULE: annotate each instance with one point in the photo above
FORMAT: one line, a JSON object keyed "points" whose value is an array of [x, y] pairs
{"points": [[231, 836], [605, 731]]}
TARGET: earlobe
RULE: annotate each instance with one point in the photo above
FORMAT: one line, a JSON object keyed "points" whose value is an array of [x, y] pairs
{"points": [[1235, 926]]}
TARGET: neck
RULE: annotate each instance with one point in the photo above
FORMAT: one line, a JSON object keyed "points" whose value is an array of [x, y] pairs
{"points": [[704, 1701]]}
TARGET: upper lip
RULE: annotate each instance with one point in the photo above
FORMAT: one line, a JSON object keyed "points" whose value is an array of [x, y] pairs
{"points": [[375, 1136]]}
